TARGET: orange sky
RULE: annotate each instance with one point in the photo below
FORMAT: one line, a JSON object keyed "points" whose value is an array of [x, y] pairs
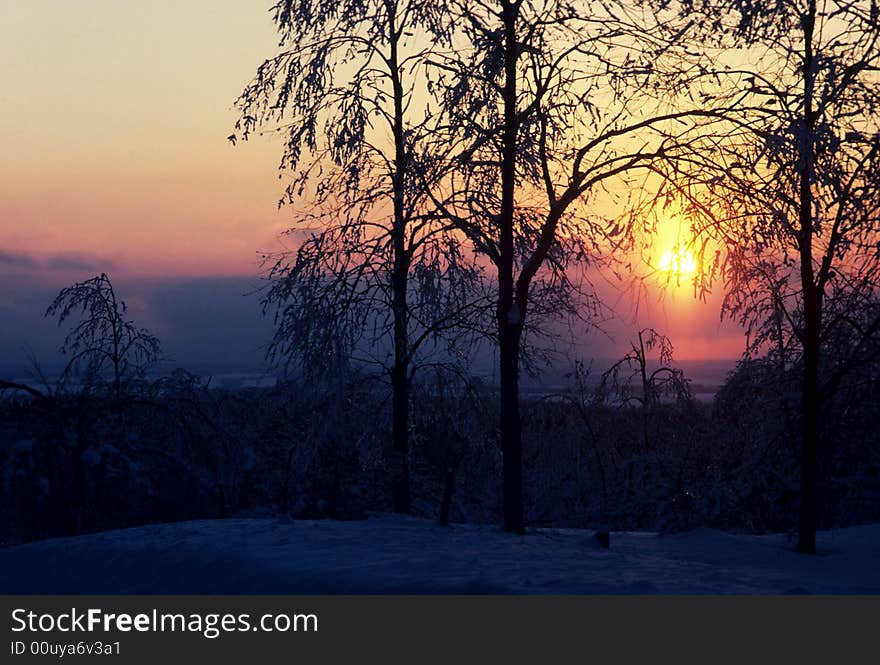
{"points": [[113, 118], [113, 125]]}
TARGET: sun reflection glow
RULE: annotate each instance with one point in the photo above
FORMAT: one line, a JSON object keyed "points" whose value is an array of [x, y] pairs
{"points": [[678, 262]]}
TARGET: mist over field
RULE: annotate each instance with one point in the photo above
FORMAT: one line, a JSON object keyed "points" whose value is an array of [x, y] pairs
{"points": [[216, 326]]}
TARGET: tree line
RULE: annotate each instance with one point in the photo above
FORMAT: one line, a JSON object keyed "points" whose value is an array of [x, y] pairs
{"points": [[450, 168], [460, 174]]}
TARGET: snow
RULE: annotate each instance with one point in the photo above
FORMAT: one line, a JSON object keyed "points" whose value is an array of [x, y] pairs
{"points": [[394, 554]]}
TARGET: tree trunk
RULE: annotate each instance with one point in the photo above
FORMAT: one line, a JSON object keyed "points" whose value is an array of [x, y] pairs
{"points": [[400, 417], [399, 283], [509, 316], [812, 299], [809, 509], [511, 428]]}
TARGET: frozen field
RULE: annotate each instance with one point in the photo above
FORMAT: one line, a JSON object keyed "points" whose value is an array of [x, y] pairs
{"points": [[392, 554]]}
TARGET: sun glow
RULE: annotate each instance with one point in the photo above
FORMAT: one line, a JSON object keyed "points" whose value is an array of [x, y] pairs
{"points": [[678, 262]]}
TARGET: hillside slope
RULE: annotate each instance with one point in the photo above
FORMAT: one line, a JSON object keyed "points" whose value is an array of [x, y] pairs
{"points": [[392, 554]]}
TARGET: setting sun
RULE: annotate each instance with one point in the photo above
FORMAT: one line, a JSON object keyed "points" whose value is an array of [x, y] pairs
{"points": [[678, 262]]}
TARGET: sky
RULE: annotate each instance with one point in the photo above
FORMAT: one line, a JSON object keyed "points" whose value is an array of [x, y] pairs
{"points": [[113, 124]]}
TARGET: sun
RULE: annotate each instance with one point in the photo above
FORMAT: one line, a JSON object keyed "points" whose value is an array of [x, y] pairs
{"points": [[678, 262], [672, 255]]}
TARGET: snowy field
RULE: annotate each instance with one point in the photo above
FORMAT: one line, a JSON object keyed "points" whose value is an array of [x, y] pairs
{"points": [[392, 554]]}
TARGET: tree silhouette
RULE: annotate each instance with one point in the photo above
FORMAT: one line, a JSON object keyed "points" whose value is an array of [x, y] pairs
{"points": [[103, 339], [543, 114], [789, 194], [653, 384], [370, 261]]}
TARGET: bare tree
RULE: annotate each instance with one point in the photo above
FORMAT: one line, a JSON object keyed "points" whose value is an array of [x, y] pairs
{"points": [[789, 193], [349, 93], [665, 379], [103, 340], [106, 352], [542, 106]]}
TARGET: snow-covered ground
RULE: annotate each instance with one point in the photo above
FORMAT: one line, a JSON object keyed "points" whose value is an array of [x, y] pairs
{"points": [[392, 554]]}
